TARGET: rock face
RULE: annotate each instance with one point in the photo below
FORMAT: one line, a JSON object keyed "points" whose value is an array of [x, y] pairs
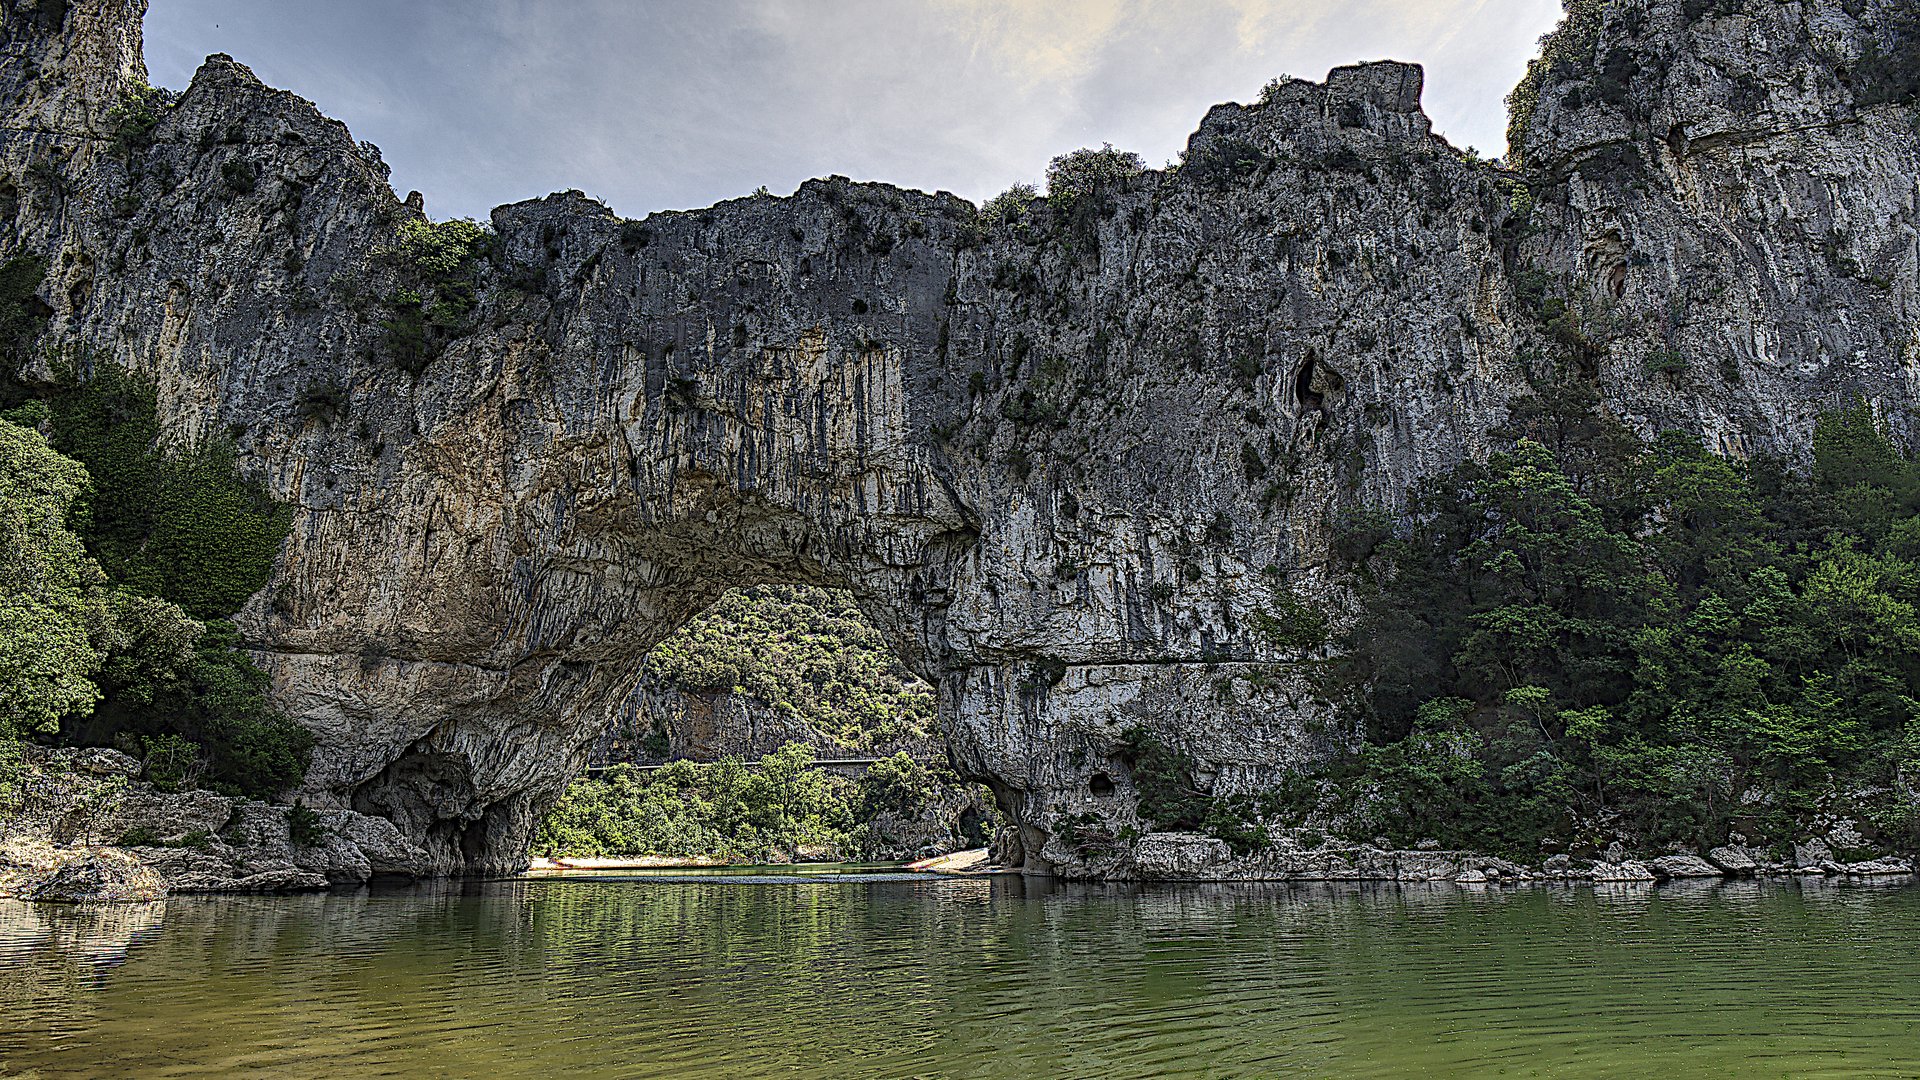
{"points": [[1072, 464], [86, 831]]}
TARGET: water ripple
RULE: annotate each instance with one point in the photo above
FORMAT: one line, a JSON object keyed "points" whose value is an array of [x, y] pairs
{"points": [[879, 974]]}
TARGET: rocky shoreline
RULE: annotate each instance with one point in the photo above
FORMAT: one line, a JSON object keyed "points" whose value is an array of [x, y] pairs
{"points": [[87, 830], [1167, 856]]}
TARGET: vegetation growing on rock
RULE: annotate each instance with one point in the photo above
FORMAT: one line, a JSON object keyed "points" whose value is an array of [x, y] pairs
{"points": [[805, 652], [1587, 636], [123, 562], [807, 656], [438, 264], [179, 524]]}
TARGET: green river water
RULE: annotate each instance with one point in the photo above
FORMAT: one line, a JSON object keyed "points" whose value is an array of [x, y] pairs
{"points": [[839, 974]]}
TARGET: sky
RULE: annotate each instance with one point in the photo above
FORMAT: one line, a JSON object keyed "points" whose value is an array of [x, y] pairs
{"points": [[675, 104]]}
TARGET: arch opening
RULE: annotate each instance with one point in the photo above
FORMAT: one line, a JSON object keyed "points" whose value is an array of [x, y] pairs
{"points": [[779, 724]]}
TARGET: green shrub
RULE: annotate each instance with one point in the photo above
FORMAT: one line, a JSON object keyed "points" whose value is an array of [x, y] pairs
{"points": [[52, 605], [131, 122], [1169, 797], [1270, 93], [724, 809], [139, 836], [239, 175], [806, 652], [1642, 638], [303, 826], [1221, 161], [23, 315], [1083, 173], [1010, 205], [170, 762], [899, 784], [438, 269]]}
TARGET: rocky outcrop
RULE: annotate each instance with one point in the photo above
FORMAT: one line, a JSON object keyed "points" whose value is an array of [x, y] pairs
{"points": [[87, 830], [1071, 463], [92, 877]]}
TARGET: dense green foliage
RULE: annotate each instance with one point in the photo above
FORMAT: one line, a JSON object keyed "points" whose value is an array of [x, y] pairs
{"points": [[810, 655], [806, 652], [53, 610], [162, 688], [1587, 636], [181, 525], [1171, 798], [1010, 205], [132, 121], [785, 808], [111, 563]]}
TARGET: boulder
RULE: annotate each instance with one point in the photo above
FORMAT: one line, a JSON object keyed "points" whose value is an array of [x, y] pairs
{"points": [[162, 815], [1883, 867], [101, 761], [388, 853], [269, 881], [1682, 866], [1845, 835], [1733, 860], [1628, 870], [1174, 855], [1811, 854]]}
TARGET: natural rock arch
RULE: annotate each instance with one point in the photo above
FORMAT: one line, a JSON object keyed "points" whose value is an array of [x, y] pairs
{"points": [[1064, 461]]}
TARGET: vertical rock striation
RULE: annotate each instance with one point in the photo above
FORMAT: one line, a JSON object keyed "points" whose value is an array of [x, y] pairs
{"points": [[1084, 468]]}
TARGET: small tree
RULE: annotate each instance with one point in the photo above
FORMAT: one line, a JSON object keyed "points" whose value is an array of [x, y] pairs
{"points": [[1011, 204], [1080, 173]]}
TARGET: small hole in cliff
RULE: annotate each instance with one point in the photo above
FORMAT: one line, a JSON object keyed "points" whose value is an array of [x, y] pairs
{"points": [[1617, 280], [1100, 785], [1310, 400]]}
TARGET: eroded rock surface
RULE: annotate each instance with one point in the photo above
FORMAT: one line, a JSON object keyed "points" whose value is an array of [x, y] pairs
{"points": [[1073, 465], [86, 831]]}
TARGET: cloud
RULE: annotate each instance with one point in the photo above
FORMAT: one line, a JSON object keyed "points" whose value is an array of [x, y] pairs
{"points": [[667, 105]]}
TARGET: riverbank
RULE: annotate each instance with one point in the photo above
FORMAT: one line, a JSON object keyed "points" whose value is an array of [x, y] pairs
{"points": [[86, 829]]}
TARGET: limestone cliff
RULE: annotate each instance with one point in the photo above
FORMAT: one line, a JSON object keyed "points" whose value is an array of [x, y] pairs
{"points": [[1079, 465]]}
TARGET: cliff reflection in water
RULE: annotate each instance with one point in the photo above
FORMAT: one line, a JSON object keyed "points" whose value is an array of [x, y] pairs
{"points": [[730, 975]]}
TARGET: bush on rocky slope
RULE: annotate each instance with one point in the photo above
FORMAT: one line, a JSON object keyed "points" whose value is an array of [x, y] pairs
{"points": [[1588, 637]]}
